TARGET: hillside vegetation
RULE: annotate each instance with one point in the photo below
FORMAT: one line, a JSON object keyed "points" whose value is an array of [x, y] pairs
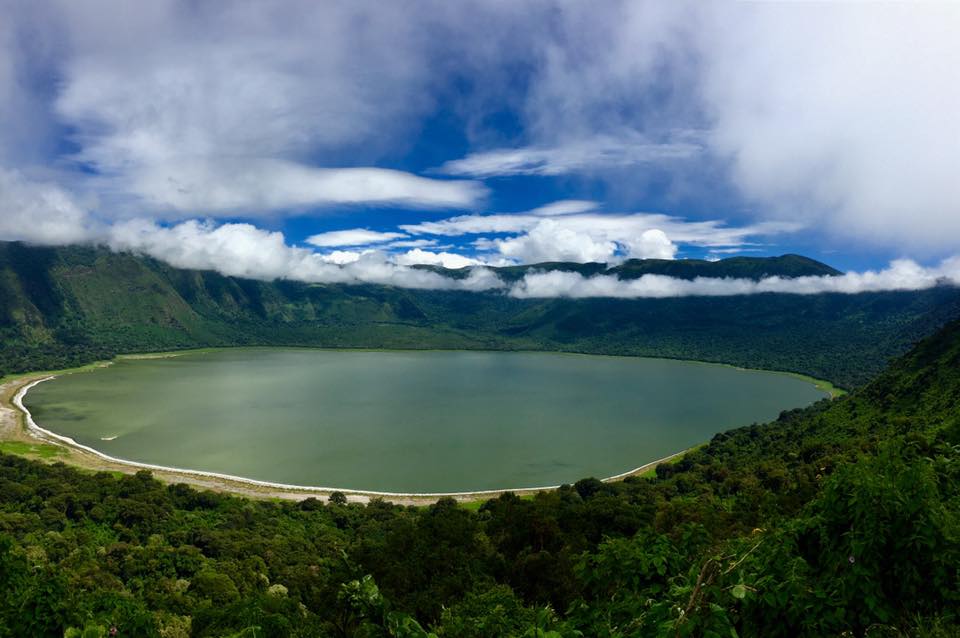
{"points": [[838, 519], [733, 267], [61, 307]]}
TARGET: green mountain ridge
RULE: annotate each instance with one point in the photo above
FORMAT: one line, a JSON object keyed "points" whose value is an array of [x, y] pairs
{"points": [[754, 268], [65, 306]]}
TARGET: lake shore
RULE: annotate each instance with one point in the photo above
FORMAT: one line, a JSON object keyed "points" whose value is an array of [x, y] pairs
{"points": [[19, 434]]}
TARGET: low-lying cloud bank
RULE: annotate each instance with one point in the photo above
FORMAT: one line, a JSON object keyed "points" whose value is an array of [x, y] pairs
{"points": [[243, 250], [902, 274]]}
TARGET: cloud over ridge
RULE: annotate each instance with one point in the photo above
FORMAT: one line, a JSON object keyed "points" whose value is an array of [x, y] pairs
{"points": [[902, 274], [242, 250]]}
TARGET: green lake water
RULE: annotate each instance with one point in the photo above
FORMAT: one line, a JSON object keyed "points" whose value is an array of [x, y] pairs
{"points": [[407, 421]]}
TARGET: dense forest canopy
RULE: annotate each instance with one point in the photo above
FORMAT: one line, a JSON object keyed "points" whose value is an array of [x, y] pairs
{"points": [[65, 306], [841, 517]]}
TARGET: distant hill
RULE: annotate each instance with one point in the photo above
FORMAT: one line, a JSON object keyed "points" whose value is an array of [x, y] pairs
{"points": [[733, 267], [69, 305]]}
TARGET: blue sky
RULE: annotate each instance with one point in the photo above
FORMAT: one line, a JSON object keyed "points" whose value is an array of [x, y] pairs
{"points": [[273, 140]]}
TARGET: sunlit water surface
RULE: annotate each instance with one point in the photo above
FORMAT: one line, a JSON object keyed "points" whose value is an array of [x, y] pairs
{"points": [[407, 421]]}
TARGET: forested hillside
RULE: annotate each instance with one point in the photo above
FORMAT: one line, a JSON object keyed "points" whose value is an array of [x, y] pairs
{"points": [[65, 306], [734, 267], [838, 519]]}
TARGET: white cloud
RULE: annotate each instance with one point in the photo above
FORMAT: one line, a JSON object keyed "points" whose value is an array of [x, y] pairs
{"points": [[364, 241], [243, 250], [255, 186], [565, 207], [414, 243], [341, 257], [613, 225], [240, 250], [375, 268], [250, 118], [142, 85], [841, 116], [550, 241], [40, 212], [593, 236], [844, 113], [351, 237], [472, 224], [445, 259], [481, 280], [651, 244], [900, 275], [592, 154]]}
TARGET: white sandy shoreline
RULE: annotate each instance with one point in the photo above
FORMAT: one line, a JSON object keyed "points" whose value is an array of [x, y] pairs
{"points": [[43, 434]]}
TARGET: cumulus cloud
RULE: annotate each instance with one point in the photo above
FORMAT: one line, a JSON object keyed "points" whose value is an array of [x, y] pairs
{"points": [[699, 233], [40, 212], [900, 275], [652, 244], [550, 241], [243, 250], [426, 257], [240, 250], [351, 237], [341, 257], [564, 234], [591, 154]]}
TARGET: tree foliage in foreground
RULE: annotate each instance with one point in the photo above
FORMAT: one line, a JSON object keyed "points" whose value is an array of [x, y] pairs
{"points": [[839, 519]]}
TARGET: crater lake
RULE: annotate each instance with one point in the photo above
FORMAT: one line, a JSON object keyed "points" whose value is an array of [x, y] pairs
{"points": [[407, 421]]}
